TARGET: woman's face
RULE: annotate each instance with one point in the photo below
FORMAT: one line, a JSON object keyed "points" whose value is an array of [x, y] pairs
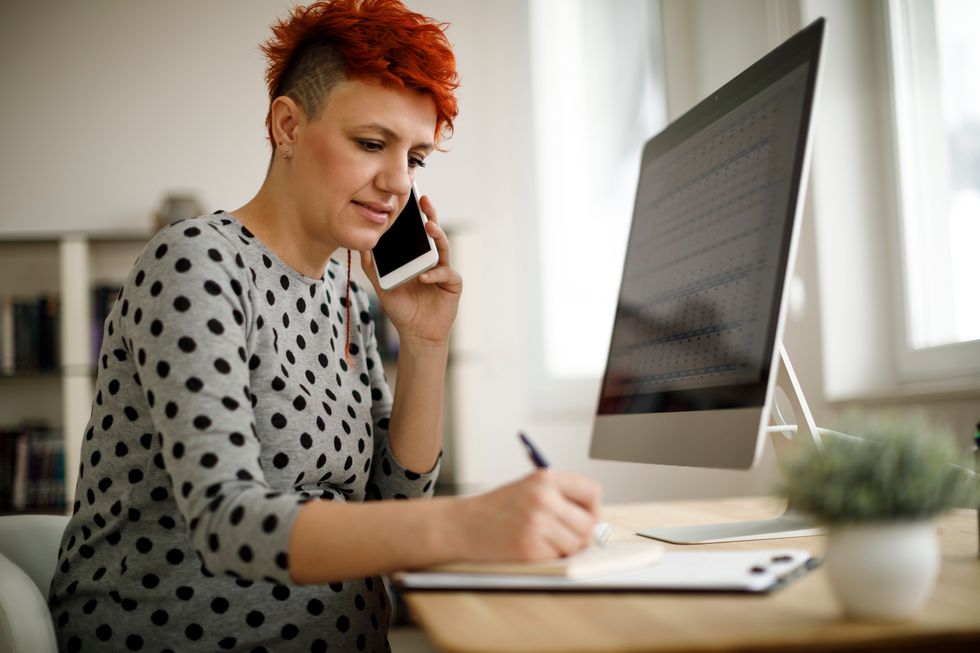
{"points": [[352, 167]]}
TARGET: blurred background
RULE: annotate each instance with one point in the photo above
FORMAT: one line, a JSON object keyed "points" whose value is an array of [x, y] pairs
{"points": [[113, 112]]}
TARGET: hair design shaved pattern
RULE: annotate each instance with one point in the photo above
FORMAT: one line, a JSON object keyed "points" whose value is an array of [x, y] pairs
{"points": [[380, 41]]}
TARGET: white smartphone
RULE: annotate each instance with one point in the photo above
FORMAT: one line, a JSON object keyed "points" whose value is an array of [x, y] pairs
{"points": [[405, 250]]}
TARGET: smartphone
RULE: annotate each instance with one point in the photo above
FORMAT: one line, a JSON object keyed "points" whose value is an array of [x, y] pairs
{"points": [[405, 250]]}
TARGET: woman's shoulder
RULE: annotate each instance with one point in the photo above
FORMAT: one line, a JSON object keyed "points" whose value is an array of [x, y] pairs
{"points": [[216, 229], [189, 251], [214, 237]]}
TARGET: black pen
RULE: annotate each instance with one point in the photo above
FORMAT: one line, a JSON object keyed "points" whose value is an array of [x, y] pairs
{"points": [[602, 531], [532, 451]]}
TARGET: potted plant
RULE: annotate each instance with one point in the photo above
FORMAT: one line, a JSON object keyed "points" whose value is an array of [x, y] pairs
{"points": [[877, 495]]}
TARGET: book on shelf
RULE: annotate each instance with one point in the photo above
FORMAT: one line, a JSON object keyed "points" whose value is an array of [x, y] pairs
{"points": [[6, 335], [32, 468], [29, 333]]}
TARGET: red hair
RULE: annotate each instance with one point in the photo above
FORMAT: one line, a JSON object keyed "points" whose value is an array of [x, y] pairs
{"points": [[371, 40]]}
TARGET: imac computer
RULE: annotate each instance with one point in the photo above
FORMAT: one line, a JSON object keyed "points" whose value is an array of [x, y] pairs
{"points": [[696, 355]]}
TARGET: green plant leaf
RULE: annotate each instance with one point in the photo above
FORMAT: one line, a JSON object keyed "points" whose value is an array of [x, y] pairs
{"points": [[898, 469]]}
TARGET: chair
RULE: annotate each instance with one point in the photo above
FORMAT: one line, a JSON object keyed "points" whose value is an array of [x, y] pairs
{"points": [[28, 555]]}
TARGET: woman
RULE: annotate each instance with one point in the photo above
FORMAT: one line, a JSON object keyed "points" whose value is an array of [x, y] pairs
{"points": [[244, 449]]}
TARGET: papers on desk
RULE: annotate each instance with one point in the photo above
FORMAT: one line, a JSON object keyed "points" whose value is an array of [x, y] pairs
{"points": [[677, 571]]}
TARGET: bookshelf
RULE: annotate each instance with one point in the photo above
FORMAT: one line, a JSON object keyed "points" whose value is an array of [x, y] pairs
{"points": [[52, 391]]}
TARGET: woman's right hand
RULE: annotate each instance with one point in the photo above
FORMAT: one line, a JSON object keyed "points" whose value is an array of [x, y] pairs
{"points": [[547, 514]]}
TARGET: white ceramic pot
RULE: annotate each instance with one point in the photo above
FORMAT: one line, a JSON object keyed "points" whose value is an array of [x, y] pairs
{"points": [[883, 571]]}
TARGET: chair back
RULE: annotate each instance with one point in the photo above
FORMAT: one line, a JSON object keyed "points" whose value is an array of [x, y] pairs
{"points": [[28, 556]]}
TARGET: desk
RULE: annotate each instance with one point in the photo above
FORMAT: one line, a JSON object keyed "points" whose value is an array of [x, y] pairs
{"points": [[801, 617]]}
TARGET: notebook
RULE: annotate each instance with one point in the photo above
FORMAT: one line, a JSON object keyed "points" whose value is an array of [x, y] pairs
{"points": [[759, 571], [608, 558]]}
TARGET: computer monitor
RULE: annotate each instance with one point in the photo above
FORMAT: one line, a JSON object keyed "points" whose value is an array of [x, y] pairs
{"points": [[696, 347]]}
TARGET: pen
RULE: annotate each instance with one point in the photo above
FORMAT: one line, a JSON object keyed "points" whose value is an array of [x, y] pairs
{"points": [[601, 531], [532, 451]]}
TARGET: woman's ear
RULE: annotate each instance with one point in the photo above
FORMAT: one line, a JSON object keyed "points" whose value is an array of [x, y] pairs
{"points": [[286, 117]]}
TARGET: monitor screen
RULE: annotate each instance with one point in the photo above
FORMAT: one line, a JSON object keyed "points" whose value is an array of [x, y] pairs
{"points": [[706, 258]]}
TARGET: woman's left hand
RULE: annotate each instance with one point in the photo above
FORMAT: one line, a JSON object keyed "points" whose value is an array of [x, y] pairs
{"points": [[422, 309]]}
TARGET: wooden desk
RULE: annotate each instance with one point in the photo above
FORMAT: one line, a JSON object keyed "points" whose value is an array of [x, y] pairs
{"points": [[801, 617]]}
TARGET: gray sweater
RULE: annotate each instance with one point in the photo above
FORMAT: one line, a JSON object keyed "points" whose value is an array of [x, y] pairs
{"points": [[223, 403]]}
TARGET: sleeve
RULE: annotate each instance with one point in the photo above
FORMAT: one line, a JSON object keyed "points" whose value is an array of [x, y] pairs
{"points": [[186, 327], [388, 479]]}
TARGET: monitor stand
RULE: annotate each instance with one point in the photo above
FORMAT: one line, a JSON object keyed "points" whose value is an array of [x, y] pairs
{"points": [[790, 523]]}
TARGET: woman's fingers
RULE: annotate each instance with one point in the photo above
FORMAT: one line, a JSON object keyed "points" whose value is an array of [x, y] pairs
{"points": [[571, 530], [442, 275], [440, 238], [583, 491], [580, 509], [579, 521], [556, 497], [428, 209], [562, 540]]}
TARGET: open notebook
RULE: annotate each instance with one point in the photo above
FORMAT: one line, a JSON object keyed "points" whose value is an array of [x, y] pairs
{"points": [[609, 558]]}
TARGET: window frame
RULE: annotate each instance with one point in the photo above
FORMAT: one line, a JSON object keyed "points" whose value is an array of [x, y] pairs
{"points": [[917, 128]]}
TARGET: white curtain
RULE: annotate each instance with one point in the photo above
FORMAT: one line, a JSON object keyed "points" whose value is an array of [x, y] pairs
{"points": [[598, 93]]}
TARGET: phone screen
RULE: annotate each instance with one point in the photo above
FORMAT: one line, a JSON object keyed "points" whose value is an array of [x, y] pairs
{"points": [[404, 241]]}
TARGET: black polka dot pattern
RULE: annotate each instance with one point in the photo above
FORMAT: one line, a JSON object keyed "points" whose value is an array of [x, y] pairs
{"points": [[222, 406]]}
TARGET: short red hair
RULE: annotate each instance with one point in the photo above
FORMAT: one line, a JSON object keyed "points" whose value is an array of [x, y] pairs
{"points": [[371, 40]]}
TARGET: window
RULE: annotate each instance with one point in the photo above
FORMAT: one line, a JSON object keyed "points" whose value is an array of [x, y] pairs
{"points": [[598, 95], [934, 57]]}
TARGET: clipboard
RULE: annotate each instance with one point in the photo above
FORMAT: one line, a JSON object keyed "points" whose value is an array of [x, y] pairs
{"points": [[750, 572]]}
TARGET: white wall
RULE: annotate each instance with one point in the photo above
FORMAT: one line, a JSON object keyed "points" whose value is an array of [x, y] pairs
{"points": [[108, 104]]}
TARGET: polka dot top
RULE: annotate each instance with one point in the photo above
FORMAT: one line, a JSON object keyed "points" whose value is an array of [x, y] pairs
{"points": [[223, 403]]}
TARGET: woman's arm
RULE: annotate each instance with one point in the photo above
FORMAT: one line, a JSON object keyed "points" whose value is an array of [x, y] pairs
{"points": [[183, 318], [423, 311], [415, 431], [544, 515]]}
